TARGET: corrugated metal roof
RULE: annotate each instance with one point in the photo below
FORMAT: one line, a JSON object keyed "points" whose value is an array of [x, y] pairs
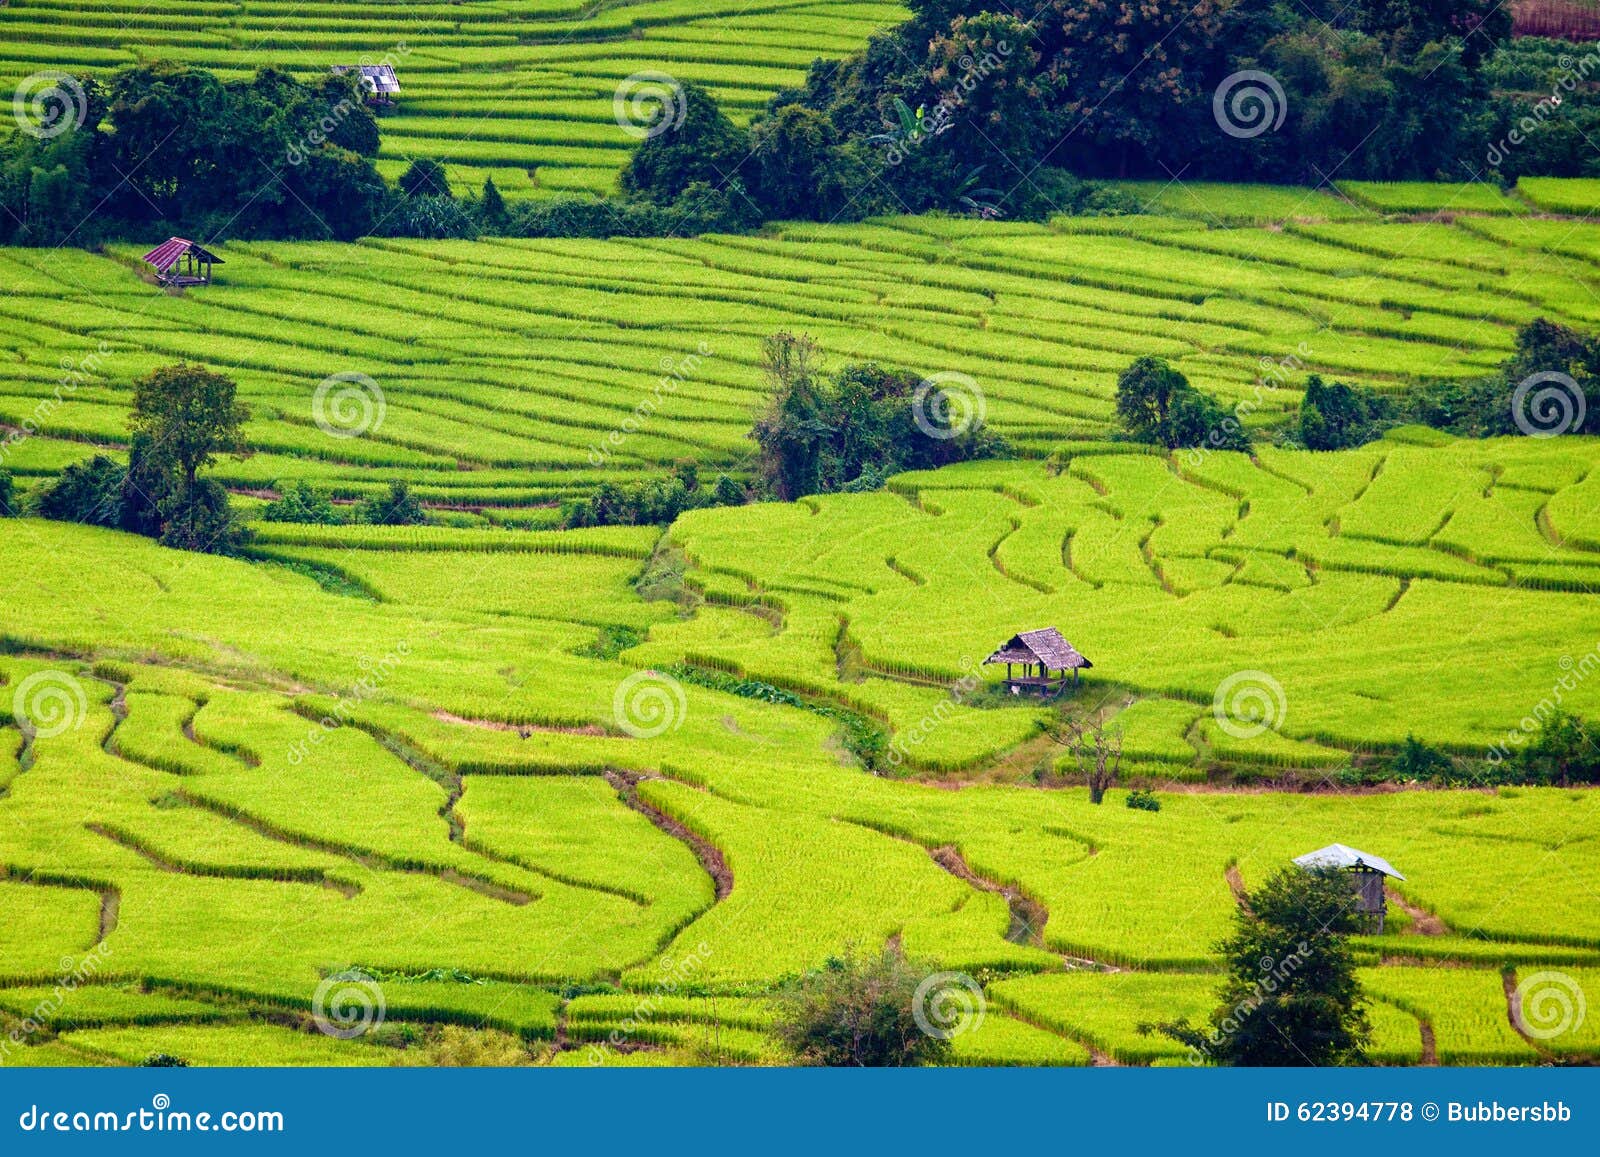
{"points": [[168, 253], [379, 77], [1344, 856], [1044, 645]]}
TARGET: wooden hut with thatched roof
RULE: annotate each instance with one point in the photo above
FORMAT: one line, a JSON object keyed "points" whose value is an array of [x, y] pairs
{"points": [[1045, 658]]}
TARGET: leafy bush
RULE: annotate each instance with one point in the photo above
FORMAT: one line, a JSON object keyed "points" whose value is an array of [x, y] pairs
{"points": [[820, 436], [300, 502], [858, 1011], [87, 492], [1143, 799], [1337, 416], [1156, 404], [398, 508], [425, 178]]}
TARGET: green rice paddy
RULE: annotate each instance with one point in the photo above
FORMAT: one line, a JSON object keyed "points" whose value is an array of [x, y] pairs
{"points": [[227, 789]]}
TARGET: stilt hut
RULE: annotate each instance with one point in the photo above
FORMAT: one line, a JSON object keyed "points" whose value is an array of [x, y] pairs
{"points": [[1045, 659], [1367, 874], [180, 263], [378, 79]]}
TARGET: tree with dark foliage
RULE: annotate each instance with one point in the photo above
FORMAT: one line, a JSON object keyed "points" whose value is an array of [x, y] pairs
{"points": [[1156, 404], [1291, 997], [859, 1011]]}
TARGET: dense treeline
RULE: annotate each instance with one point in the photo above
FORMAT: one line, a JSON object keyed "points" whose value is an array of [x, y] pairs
{"points": [[267, 157], [962, 108], [973, 110]]}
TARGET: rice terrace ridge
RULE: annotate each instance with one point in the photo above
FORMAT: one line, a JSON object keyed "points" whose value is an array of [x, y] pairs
{"points": [[549, 533]]}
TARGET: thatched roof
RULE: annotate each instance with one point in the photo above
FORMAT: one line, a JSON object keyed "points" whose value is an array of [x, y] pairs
{"points": [[172, 250], [1042, 646], [1342, 856]]}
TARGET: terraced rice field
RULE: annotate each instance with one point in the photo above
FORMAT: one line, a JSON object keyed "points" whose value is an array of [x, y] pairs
{"points": [[503, 375], [254, 785], [521, 90]]}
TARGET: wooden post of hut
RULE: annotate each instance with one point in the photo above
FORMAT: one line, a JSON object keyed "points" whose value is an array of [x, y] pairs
{"points": [[1367, 875], [1045, 657]]}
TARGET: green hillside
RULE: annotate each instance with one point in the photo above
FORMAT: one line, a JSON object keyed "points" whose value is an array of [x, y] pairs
{"points": [[524, 90]]}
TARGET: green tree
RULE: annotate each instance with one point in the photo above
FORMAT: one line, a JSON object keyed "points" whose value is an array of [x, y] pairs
{"points": [[300, 502], [87, 492], [795, 427], [859, 1011], [792, 149], [425, 178], [8, 496], [1291, 997], [199, 517], [183, 417], [696, 143], [1562, 750], [492, 207], [398, 508], [190, 412], [1417, 761]]}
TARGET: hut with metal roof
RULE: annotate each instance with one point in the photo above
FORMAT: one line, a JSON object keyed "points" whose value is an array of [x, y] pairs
{"points": [[1045, 658], [180, 263], [378, 79], [1367, 872]]}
